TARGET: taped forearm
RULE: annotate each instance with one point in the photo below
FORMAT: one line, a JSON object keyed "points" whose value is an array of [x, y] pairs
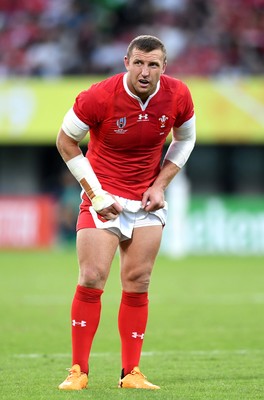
{"points": [[81, 169]]}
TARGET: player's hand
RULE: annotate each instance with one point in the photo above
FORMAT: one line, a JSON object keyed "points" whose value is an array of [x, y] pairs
{"points": [[153, 199], [111, 212], [106, 205]]}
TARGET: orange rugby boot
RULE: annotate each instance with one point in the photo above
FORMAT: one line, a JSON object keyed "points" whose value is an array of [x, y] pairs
{"points": [[136, 380], [76, 380]]}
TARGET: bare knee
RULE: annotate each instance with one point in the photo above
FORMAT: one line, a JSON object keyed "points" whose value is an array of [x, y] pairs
{"points": [[135, 280], [92, 276]]}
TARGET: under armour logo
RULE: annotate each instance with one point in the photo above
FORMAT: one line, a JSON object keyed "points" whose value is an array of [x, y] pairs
{"points": [[81, 323], [136, 335], [143, 117]]}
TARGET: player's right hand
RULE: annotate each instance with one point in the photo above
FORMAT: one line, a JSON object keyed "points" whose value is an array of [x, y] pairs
{"points": [[106, 205]]}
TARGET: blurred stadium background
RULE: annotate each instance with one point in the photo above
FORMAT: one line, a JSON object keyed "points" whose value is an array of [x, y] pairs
{"points": [[52, 49]]}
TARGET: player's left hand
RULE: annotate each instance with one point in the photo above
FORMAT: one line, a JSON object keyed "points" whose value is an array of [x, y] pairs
{"points": [[153, 199]]}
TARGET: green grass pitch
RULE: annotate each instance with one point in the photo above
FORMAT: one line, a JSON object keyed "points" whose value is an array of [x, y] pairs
{"points": [[205, 336]]}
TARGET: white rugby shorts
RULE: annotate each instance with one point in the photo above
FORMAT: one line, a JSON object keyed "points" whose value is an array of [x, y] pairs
{"points": [[132, 216]]}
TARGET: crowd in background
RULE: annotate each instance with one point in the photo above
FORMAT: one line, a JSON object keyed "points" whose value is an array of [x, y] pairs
{"points": [[58, 37]]}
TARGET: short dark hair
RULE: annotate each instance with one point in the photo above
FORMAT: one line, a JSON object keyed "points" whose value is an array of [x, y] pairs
{"points": [[146, 43]]}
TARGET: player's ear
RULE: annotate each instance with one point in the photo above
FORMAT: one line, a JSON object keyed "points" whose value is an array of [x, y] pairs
{"points": [[126, 62], [164, 67]]}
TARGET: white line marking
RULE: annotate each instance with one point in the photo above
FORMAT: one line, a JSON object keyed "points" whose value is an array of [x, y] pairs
{"points": [[226, 299], [197, 353]]}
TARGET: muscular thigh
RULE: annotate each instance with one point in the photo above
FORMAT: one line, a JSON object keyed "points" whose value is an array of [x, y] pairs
{"points": [[96, 249], [137, 257]]}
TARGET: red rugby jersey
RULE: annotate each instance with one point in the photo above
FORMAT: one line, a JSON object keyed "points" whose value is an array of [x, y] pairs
{"points": [[126, 135]]}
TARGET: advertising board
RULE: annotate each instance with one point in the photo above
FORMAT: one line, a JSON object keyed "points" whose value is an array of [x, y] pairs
{"points": [[227, 110], [27, 222]]}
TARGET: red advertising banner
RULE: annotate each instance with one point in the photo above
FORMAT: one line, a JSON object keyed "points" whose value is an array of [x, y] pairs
{"points": [[27, 222]]}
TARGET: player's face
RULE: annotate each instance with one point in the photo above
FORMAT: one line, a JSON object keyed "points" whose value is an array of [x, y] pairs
{"points": [[144, 70]]}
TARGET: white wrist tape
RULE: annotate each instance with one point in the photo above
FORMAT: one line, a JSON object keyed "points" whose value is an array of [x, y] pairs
{"points": [[81, 169]]}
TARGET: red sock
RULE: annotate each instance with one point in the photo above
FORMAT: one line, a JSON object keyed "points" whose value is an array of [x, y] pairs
{"points": [[85, 314], [132, 321]]}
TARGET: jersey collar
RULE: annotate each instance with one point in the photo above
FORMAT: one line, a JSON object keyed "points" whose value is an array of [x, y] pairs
{"points": [[142, 105]]}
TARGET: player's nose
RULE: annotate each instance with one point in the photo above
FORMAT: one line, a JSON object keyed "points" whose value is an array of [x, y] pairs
{"points": [[145, 70]]}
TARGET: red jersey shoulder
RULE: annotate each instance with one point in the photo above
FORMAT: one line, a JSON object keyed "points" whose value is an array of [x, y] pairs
{"points": [[173, 85], [109, 85], [91, 103], [182, 99]]}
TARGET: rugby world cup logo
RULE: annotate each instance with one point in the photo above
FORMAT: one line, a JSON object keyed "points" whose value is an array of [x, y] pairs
{"points": [[121, 122]]}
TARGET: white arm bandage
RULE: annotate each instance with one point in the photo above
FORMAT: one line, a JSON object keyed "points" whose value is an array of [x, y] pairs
{"points": [[73, 126], [182, 143], [81, 169]]}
